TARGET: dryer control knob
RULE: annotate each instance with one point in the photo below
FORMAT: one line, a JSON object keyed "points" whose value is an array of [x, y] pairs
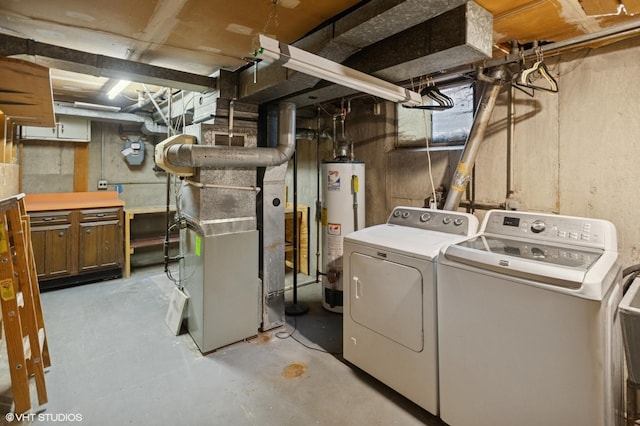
{"points": [[396, 213], [458, 221], [446, 220], [405, 215], [424, 217], [538, 226]]}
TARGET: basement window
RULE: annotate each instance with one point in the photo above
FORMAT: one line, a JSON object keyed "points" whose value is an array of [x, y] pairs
{"points": [[445, 130]]}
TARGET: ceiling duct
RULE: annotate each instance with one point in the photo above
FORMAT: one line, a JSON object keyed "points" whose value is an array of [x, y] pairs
{"points": [[371, 23], [147, 125], [458, 37], [192, 155]]}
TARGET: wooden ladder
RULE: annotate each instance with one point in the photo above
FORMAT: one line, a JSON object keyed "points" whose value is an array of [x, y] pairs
{"points": [[22, 320]]}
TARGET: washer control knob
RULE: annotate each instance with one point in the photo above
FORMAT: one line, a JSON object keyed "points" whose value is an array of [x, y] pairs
{"points": [[538, 226], [458, 221], [405, 215], [424, 217], [396, 213], [446, 220]]}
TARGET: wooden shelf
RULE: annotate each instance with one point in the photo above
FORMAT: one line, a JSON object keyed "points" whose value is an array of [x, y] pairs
{"points": [[303, 237], [152, 236], [151, 242]]}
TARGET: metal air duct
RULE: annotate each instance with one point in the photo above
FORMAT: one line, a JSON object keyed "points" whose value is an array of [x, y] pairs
{"points": [[191, 155]]}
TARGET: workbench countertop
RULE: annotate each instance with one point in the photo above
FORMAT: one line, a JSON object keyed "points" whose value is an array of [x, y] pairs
{"points": [[71, 200]]}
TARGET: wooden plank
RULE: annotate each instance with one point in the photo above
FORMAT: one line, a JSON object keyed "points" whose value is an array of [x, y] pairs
{"points": [[3, 136], [8, 142], [152, 241], [31, 263], [17, 226], [599, 7], [25, 93], [632, 6], [81, 167], [303, 236], [9, 292], [71, 200]]}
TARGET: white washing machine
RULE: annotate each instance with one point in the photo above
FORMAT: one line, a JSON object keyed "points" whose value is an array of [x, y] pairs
{"points": [[527, 323], [389, 322]]}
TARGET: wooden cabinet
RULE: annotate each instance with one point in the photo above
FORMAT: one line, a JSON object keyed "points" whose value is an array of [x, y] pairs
{"points": [[100, 239], [66, 129], [78, 245], [52, 242]]}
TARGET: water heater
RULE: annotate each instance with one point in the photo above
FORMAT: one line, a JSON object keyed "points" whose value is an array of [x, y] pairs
{"points": [[342, 213]]}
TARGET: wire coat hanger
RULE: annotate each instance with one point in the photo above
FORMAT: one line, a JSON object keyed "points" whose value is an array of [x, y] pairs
{"points": [[526, 77], [443, 102]]}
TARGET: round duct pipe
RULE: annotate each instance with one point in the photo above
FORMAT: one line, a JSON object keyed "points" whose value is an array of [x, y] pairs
{"points": [[191, 155]]}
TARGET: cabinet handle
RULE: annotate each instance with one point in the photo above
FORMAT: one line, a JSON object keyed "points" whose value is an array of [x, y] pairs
{"points": [[88, 231], [47, 219], [61, 234], [101, 214]]}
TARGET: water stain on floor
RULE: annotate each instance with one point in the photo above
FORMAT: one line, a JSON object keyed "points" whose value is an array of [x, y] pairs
{"points": [[294, 370]]}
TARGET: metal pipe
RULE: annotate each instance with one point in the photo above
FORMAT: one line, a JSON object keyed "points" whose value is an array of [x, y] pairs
{"points": [[296, 247], [192, 155], [308, 134], [478, 130], [211, 185], [318, 204], [510, 141]]}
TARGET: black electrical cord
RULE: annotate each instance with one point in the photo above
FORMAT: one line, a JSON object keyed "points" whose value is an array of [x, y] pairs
{"points": [[285, 335]]}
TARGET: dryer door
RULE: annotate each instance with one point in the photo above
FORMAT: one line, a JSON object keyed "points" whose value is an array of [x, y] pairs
{"points": [[386, 297]]}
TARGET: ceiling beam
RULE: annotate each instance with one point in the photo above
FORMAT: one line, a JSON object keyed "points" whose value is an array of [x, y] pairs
{"points": [[63, 58]]}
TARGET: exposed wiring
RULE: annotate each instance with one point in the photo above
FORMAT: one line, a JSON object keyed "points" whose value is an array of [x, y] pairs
{"points": [[285, 335]]}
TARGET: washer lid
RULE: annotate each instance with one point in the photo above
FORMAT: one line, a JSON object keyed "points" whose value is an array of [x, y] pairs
{"points": [[562, 266]]}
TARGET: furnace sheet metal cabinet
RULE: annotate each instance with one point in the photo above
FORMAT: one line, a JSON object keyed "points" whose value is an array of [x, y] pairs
{"points": [[220, 274]]}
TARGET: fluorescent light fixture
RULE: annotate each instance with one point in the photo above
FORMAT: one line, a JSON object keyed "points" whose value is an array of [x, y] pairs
{"points": [[96, 107], [117, 88], [272, 50]]}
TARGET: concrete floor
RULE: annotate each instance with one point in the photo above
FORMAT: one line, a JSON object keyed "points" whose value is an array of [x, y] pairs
{"points": [[114, 361]]}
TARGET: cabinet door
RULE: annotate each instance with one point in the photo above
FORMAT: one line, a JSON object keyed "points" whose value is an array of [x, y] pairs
{"points": [[100, 245], [111, 244], [67, 128], [39, 247], [51, 250], [39, 132], [58, 249], [89, 245], [73, 128]]}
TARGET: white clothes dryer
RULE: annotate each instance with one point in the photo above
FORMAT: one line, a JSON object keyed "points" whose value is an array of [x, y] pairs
{"points": [[527, 323], [389, 321]]}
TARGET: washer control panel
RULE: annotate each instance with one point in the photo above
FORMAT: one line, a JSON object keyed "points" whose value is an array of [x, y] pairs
{"points": [[434, 220], [552, 228]]}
